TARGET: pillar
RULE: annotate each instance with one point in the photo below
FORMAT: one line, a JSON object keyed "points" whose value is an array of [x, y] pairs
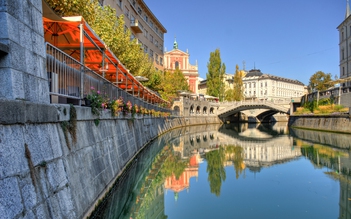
{"points": [[23, 56]]}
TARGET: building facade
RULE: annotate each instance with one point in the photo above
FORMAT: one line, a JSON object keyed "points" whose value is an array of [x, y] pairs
{"points": [[269, 87], [345, 47], [144, 26], [177, 59]]}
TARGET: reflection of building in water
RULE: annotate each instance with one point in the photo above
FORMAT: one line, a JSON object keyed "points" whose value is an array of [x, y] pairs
{"points": [[261, 147], [345, 196], [339, 163], [183, 182], [157, 208], [276, 150]]}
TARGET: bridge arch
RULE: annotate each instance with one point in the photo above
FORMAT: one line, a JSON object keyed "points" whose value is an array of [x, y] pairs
{"points": [[230, 109]]}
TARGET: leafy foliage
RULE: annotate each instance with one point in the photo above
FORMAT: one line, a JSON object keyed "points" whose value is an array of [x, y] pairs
{"points": [[111, 29], [324, 106], [237, 93], [215, 169], [320, 81], [216, 70], [172, 82]]}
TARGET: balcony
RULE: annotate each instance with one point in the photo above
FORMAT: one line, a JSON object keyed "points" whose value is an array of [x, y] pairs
{"points": [[134, 25]]}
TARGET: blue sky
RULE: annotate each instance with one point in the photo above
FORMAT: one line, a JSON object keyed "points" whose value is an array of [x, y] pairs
{"points": [[288, 38]]}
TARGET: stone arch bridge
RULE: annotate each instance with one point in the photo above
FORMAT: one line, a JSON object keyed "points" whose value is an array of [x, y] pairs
{"points": [[250, 111]]}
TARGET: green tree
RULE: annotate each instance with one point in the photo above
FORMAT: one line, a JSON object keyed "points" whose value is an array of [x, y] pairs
{"points": [[235, 154], [238, 84], [216, 71], [111, 29], [215, 170], [237, 93], [320, 81], [171, 83]]}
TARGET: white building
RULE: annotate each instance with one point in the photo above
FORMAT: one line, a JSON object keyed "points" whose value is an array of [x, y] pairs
{"points": [[345, 46], [269, 87]]}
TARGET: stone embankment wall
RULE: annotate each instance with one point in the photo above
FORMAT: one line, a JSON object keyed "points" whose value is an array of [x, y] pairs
{"points": [[330, 123], [55, 166]]}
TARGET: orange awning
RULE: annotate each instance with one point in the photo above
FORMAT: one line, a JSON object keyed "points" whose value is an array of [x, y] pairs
{"points": [[86, 47]]}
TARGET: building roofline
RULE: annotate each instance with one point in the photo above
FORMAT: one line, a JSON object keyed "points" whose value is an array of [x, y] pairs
{"points": [[142, 4]]}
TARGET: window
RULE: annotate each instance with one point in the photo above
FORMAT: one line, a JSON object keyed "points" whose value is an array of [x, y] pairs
{"points": [[176, 65], [133, 3], [265, 84], [151, 38], [119, 3], [342, 54], [146, 33], [156, 57], [254, 85], [139, 10], [145, 49], [151, 54], [101, 2], [151, 24], [161, 61], [126, 12], [146, 18], [156, 42], [132, 20]]}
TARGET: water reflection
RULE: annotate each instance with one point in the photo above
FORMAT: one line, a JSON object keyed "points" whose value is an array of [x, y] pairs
{"points": [[172, 161]]}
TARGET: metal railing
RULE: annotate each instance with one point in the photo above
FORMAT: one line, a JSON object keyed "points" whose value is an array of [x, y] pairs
{"points": [[340, 95], [70, 81]]}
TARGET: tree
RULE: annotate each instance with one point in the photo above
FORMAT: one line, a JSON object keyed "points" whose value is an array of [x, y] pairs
{"points": [[237, 93], [216, 71], [215, 169], [320, 81], [111, 29], [171, 83]]}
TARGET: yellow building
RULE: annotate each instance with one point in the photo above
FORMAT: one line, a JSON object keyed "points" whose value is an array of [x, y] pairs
{"points": [[143, 25]]}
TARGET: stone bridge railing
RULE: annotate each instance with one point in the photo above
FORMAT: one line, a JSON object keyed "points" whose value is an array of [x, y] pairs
{"points": [[228, 108], [188, 107]]}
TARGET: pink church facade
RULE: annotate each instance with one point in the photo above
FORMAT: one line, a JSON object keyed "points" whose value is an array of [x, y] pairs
{"points": [[176, 58]]}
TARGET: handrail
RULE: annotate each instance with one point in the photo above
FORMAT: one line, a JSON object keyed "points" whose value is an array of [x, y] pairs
{"points": [[65, 74]]}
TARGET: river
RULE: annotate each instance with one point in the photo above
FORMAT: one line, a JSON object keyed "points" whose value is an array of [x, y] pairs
{"points": [[236, 171]]}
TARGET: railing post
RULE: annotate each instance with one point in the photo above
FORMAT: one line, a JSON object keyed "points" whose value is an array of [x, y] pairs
{"points": [[81, 38]]}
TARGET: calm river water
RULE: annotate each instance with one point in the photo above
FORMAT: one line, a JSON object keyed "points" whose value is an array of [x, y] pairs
{"points": [[236, 171]]}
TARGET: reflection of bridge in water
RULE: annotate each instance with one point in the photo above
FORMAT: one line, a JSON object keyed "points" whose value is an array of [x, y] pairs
{"points": [[261, 147]]}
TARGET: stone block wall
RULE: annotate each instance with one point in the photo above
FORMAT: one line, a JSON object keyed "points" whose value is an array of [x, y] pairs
{"points": [[46, 173], [22, 57], [330, 123]]}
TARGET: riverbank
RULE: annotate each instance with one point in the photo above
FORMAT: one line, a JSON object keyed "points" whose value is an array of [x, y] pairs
{"points": [[56, 162], [329, 123]]}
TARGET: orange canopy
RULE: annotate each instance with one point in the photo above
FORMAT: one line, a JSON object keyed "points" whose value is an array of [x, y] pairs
{"points": [[65, 33]]}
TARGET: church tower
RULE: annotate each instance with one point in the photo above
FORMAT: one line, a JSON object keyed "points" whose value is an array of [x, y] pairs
{"points": [[177, 58]]}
